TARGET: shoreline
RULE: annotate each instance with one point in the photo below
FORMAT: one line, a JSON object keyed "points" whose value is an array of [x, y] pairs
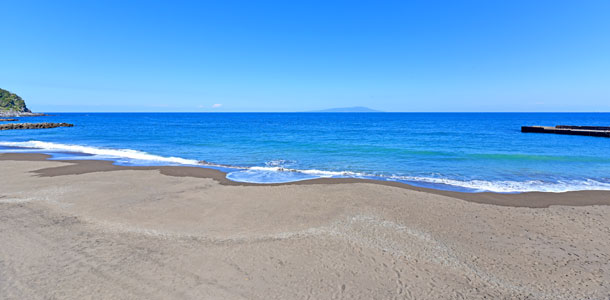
{"points": [[469, 166], [526, 199]]}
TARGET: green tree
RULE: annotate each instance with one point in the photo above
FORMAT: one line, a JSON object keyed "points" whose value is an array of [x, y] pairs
{"points": [[11, 102]]}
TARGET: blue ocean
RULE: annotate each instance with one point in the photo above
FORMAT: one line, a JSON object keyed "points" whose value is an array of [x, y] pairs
{"points": [[470, 152]]}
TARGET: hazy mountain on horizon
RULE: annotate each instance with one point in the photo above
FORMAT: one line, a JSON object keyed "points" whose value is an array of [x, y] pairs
{"points": [[348, 109]]}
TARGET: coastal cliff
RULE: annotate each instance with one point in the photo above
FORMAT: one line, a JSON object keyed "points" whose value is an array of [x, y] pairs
{"points": [[10, 102], [11, 105]]}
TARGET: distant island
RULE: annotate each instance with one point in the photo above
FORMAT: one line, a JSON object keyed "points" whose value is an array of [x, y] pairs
{"points": [[347, 110], [11, 105]]}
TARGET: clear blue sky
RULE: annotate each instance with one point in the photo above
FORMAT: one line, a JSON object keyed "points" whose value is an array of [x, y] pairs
{"points": [[288, 56]]}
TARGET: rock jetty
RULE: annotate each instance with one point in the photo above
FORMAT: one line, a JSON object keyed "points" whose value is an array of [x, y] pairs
{"points": [[13, 114], [8, 120], [599, 131], [11, 126]]}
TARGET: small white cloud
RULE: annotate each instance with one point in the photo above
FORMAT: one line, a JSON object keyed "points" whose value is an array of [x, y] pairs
{"points": [[216, 105]]}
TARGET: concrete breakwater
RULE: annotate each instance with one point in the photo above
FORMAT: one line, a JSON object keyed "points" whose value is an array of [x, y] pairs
{"points": [[10, 126], [599, 131]]}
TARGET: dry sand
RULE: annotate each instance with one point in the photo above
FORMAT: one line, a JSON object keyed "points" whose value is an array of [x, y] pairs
{"points": [[91, 230]]}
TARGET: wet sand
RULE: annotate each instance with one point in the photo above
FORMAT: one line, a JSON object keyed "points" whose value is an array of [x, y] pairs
{"points": [[90, 229]]}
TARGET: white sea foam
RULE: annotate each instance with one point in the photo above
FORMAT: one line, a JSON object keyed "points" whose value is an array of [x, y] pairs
{"points": [[100, 152], [508, 186], [266, 175], [314, 172], [275, 173]]}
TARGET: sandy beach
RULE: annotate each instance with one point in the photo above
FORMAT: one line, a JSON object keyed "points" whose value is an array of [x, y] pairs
{"points": [[93, 230]]}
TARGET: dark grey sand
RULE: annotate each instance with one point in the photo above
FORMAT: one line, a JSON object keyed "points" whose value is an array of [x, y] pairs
{"points": [[92, 230]]}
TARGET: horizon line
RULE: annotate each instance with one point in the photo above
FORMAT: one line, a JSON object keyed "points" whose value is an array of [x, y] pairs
{"points": [[316, 112]]}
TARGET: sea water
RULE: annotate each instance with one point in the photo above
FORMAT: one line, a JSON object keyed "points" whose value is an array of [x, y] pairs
{"points": [[469, 152]]}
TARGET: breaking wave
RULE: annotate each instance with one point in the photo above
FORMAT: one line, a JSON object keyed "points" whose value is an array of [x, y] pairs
{"points": [[101, 153]]}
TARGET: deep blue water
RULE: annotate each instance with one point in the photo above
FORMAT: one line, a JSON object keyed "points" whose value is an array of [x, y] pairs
{"points": [[458, 151]]}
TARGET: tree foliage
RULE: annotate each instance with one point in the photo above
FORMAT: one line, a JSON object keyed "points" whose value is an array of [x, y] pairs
{"points": [[11, 102]]}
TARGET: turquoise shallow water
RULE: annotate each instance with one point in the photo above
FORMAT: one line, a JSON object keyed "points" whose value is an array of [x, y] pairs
{"points": [[456, 151]]}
